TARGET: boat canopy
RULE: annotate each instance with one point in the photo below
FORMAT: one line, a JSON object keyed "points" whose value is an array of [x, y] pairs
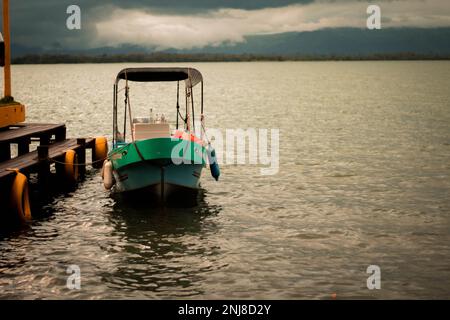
{"points": [[161, 74]]}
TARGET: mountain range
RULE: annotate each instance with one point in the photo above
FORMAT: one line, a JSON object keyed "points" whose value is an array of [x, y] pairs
{"points": [[337, 41]]}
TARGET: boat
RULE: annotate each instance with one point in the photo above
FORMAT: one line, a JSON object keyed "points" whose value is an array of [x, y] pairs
{"points": [[152, 156]]}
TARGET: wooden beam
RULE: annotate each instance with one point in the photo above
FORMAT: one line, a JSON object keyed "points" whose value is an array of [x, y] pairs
{"points": [[43, 169], [23, 146], [60, 134], [81, 153], [5, 152]]}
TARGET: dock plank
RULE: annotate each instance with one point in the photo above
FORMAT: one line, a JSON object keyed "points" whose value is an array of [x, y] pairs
{"points": [[28, 130], [30, 159]]}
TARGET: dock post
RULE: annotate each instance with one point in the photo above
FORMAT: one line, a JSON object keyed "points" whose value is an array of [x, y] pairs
{"points": [[5, 152], [23, 146], [81, 153], [44, 140], [60, 135], [43, 169]]}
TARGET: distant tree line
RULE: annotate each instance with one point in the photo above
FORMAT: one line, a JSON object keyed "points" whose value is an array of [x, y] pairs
{"points": [[207, 57]]}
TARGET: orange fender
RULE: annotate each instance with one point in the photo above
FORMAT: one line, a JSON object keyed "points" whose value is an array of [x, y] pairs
{"points": [[71, 166], [20, 201], [100, 152]]}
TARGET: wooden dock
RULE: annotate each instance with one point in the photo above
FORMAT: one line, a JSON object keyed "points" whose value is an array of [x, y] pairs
{"points": [[22, 134], [52, 147], [68, 156]]}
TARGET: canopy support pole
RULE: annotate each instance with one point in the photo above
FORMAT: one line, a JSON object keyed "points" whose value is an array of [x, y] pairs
{"points": [[178, 101]]}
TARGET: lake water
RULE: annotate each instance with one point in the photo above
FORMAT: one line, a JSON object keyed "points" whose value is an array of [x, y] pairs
{"points": [[364, 179]]}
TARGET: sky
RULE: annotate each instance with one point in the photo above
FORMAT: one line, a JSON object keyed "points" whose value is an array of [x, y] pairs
{"points": [[165, 24]]}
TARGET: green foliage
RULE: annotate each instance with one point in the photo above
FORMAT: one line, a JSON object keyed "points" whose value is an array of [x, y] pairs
{"points": [[7, 100]]}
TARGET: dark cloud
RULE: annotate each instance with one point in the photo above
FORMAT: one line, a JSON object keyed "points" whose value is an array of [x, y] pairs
{"points": [[43, 22]]}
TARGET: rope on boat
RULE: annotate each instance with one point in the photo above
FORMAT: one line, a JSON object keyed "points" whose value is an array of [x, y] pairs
{"points": [[204, 130], [77, 164], [178, 106], [179, 113], [128, 104]]}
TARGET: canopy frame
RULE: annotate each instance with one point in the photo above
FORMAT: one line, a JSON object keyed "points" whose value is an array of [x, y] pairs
{"points": [[190, 76]]}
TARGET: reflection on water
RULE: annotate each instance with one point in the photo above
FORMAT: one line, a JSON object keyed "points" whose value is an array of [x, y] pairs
{"points": [[166, 246]]}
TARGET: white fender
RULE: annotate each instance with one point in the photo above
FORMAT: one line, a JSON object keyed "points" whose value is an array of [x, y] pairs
{"points": [[107, 175]]}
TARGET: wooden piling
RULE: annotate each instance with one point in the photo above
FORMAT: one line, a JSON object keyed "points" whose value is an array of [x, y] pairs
{"points": [[5, 151], [43, 168], [44, 140], [81, 153], [60, 134], [23, 146]]}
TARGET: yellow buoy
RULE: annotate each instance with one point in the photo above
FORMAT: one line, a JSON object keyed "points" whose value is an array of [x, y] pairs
{"points": [[20, 201], [71, 166], [100, 152]]}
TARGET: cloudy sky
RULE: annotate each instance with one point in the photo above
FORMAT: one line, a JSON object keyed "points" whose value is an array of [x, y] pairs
{"points": [[197, 23]]}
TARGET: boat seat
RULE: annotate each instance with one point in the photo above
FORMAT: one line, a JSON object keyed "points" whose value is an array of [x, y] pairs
{"points": [[142, 131]]}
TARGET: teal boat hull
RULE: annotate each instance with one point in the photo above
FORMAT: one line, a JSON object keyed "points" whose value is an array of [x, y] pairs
{"points": [[145, 175], [162, 165]]}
